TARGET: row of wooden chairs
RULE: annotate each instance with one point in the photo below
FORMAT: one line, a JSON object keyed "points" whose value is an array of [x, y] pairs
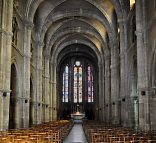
{"points": [[102, 133], [53, 132]]}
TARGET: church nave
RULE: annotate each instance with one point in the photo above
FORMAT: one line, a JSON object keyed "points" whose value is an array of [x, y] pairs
{"points": [[65, 59], [76, 135]]}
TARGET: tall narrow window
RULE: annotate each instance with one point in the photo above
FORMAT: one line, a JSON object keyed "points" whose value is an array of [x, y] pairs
{"points": [[80, 84], [77, 82], [75, 85], [65, 84], [90, 84]]}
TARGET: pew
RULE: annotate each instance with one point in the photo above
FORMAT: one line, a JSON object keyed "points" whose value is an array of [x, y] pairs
{"points": [[104, 133], [52, 132]]}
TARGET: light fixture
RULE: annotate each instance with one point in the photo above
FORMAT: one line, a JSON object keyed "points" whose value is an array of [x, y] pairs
{"points": [[77, 63]]}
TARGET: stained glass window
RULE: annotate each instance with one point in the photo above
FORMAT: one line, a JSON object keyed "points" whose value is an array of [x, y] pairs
{"points": [[76, 75], [77, 82], [90, 84], [65, 84], [80, 84]]}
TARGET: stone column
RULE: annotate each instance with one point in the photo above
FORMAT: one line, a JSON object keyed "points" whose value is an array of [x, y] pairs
{"points": [[51, 93], [18, 101], [101, 92], [5, 60], [114, 82], [4, 103], [1, 110], [133, 111], [26, 72], [50, 100], [123, 71], [54, 92], [100, 105], [143, 93], [46, 93], [107, 88], [38, 47]]}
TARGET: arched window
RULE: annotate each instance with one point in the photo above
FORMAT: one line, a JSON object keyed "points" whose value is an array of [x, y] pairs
{"points": [[77, 82], [65, 84], [90, 84]]}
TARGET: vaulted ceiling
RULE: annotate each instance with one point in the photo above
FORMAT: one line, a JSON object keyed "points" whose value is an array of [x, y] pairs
{"points": [[65, 22]]}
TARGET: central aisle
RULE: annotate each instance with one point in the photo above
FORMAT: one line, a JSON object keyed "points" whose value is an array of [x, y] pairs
{"points": [[76, 135]]}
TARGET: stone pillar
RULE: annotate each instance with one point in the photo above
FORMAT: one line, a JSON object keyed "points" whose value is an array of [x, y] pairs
{"points": [[18, 101], [50, 100], [134, 112], [1, 110], [143, 93], [54, 93], [46, 93], [123, 71], [5, 60], [38, 47], [107, 88], [26, 72], [101, 92], [4, 103], [134, 97], [100, 100], [51, 93], [114, 82]]}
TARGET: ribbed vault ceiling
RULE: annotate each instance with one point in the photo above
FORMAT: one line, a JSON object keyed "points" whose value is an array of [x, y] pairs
{"points": [[61, 22]]}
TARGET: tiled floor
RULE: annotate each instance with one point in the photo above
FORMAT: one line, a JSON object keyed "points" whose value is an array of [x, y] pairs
{"points": [[76, 135]]}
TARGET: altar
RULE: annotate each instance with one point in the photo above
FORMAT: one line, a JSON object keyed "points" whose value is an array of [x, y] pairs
{"points": [[78, 117]]}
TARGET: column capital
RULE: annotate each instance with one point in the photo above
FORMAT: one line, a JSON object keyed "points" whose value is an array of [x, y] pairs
{"points": [[114, 66], [122, 21], [6, 32], [107, 57], [5, 90], [39, 68], [46, 55], [138, 32], [100, 65], [28, 24], [36, 103], [107, 53], [47, 44], [23, 99], [123, 53], [113, 41], [46, 76], [134, 97], [38, 43], [53, 64], [28, 56], [52, 82]]}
